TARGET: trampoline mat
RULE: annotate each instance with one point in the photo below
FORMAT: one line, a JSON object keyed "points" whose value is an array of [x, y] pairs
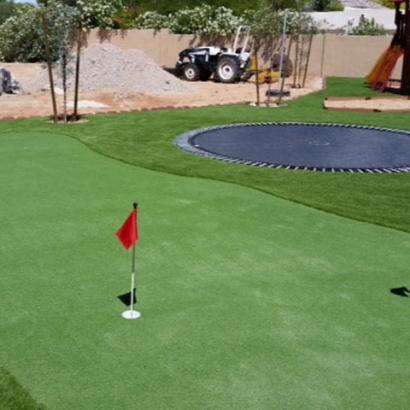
{"points": [[309, 146]]}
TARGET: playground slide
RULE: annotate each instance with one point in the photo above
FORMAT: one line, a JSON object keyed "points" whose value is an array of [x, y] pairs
{"points": [[372, 76], [385, 65]]}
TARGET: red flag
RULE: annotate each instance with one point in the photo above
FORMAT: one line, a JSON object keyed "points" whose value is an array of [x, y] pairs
{"points": [[128, 233]]}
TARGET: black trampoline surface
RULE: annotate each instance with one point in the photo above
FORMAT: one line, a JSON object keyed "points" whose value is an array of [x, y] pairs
{"points": [[308, 146]]}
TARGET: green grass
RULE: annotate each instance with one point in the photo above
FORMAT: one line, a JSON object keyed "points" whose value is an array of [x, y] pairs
{"points": [[146, 140], [248, 300], [13, 396]]}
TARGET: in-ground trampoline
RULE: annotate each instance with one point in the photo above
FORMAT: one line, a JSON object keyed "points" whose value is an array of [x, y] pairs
{"points": [[304, 146]]}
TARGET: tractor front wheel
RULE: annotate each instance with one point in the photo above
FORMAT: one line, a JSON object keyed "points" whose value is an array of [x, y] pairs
{"points": [[190, 72], [227, 69]]}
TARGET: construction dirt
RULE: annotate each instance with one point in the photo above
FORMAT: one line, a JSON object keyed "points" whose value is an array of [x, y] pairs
{"points": [[38, 102], [113, 80]]}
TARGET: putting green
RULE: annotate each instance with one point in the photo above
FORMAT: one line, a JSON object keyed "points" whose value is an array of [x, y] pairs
{"points": [[247, 301]]}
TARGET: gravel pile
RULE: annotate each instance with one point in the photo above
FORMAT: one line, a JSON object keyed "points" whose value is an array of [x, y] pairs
{"points": [[105, 67]]}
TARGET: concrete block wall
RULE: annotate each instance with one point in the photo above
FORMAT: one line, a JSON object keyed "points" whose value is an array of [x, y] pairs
{"points": [[331, 54]]}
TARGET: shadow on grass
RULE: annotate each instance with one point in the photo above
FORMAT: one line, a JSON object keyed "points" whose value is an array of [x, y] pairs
{"points": [[126, 298], [400, 291]]}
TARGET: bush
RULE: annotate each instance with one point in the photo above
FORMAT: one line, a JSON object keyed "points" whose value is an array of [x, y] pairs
{"points": [[210, 20], [367, 27], [100, 13], [6, 10], [205, 20], [21, 35], [151, 20]]}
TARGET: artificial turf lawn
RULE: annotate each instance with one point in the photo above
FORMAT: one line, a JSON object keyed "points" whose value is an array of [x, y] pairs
{"points": [[13, 396], [248, 301], [146, 139]]}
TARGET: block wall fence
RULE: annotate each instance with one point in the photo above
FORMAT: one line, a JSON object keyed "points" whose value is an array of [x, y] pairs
{"points": [[330, 54]]}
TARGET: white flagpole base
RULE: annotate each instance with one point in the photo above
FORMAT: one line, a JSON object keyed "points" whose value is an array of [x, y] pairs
{"points": [[131, 314]]}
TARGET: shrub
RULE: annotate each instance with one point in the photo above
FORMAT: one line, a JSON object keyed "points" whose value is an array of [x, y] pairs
{"points": [[151, 20], [21, 35], [99, 13], [367, 27], [205, 20]]}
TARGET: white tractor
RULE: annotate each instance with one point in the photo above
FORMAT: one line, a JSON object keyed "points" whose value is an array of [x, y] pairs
{"points": [[226, 65]]}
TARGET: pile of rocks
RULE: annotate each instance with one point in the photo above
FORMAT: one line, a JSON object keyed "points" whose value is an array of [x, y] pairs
{"points": [[106, 67]]}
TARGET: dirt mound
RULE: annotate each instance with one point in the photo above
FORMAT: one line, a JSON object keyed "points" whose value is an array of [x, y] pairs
{"points": [[106, 67]]}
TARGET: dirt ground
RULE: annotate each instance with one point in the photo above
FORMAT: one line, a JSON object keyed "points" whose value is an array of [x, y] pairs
{"points": [[373, 104], [34, 104]]}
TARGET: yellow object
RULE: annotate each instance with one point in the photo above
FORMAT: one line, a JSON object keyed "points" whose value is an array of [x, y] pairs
{"points": [[374, 74], [253, 66], [262, 75], [267, 76]]}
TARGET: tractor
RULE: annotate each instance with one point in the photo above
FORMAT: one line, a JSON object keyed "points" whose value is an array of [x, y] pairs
{"points": [[226, 65]]}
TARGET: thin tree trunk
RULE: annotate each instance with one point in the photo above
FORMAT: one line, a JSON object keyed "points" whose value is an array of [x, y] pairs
{"points": [[64, 74], [49, 67], [77, 70]]}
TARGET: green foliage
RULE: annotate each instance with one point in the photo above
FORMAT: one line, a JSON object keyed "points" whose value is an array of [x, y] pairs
{"points": [[99, 13], [96, 13], [25, 42], [6, 10], [210, 20], [367, 27], [277, 5], [204, 20], [166, 7], [387, 3], [62, 21], [327, 5], [126, 16], [267, 21], [21, 36], [151, 20], [13, 396], [264, 21]]}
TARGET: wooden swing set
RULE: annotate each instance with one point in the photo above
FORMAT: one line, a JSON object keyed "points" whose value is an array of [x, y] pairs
{"points": [[381, 73]]}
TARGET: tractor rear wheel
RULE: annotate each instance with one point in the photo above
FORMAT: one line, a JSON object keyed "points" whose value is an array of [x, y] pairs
{"points": [[227, 69], [190, 72]]}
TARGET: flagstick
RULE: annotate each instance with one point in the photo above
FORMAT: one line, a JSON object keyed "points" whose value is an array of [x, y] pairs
{"points": [[132, 314], [132, 278]]}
